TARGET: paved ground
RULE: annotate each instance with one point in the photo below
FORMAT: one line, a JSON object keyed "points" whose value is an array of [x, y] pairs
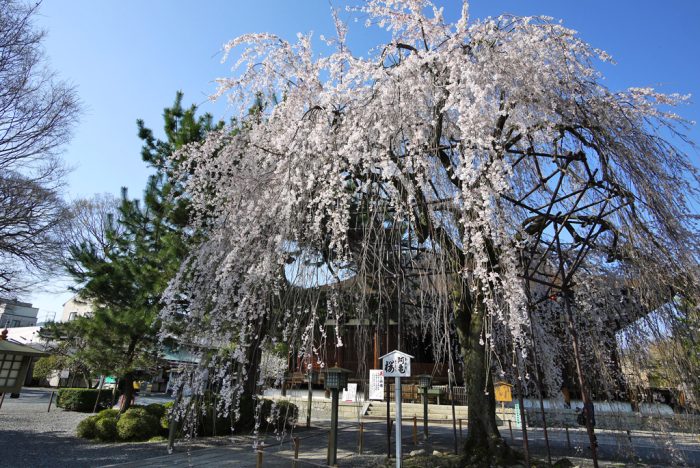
{"points": [[32, 437], [615, 448]]}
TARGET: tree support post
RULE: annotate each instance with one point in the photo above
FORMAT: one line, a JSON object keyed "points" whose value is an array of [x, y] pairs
{"points": [[415, 430], [581, 380], [295, 441], [97, 401], [308, 408], [521, 404]]}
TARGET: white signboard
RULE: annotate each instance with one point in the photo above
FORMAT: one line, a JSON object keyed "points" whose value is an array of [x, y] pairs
{"points": [[376, 384], [350, 393], [396, 364]]}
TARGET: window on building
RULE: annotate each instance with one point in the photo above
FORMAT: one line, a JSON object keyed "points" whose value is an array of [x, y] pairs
{"points": [[15, 323], [72, 315], [10, 366]]}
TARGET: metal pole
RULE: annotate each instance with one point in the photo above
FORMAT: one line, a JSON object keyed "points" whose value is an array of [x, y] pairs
{"points": [[333, 439], [2, 398], [397, 404], [388, 418], [388, 394]]}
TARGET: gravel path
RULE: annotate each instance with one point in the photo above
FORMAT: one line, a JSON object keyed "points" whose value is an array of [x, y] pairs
{"points": [[32, 437]]}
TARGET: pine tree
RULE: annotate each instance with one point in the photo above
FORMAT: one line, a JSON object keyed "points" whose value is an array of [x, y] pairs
{"points": [[125, 281]]}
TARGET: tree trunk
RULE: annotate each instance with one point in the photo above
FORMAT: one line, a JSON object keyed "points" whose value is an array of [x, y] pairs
{"points": [[484, 445], [128, 395]]}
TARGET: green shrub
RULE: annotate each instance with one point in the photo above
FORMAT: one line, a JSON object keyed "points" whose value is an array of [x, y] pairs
{"points": [[108, 413], [86, 428], [165, 419], [106, 429], [137, 424], [283, 414], [156, 409], [278, 415], [246, 418], [82, 399]]}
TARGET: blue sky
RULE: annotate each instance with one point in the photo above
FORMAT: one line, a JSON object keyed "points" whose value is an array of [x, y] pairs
{"points": [[127, 59]]}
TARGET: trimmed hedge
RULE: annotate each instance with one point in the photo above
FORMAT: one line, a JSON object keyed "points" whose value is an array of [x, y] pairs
{"points": [[280, 415], [86, 428], [156, 409], [82, 399], [108, 413], [137, 424], [106, 429], [150, 422]]}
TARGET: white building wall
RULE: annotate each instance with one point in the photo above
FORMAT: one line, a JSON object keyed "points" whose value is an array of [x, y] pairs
{"points": [[75, 307]]}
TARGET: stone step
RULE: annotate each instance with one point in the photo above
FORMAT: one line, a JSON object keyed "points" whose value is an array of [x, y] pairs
{"points": [[377, 410]]}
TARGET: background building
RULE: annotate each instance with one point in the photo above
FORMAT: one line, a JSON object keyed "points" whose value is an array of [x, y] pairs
{"points": [[75, 307], [14, 313]]}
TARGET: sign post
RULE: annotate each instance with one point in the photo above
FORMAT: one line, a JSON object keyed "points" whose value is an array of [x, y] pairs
{"points": [[503, 394], [397, 364]]}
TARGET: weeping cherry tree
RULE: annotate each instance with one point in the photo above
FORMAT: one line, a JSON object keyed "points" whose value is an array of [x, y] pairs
{"points": [[476, 169]]}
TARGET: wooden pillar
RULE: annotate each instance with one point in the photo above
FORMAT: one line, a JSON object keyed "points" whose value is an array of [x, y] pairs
{"points": [[376, 350]]}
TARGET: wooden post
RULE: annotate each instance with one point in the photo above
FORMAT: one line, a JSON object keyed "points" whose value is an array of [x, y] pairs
{"points": [[362, 436], [568, 441], [50, 400], [415, 430], [172, 422], [510, 428], [581, 380], [295, 441], [259, 462], [97, 400]]}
